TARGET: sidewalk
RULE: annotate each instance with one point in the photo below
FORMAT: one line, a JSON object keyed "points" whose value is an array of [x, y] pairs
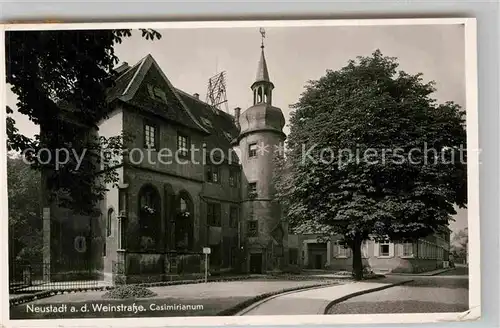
{"points": [[428, 273], [314, 301]]}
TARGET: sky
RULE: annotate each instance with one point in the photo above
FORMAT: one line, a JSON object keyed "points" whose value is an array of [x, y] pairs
{"points": [[295, 55]]}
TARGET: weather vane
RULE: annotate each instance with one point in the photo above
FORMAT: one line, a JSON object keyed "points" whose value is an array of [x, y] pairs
{"points": [[263, 35]]}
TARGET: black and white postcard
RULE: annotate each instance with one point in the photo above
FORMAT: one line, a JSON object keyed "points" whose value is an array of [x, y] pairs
{"points": [[240, 173]]}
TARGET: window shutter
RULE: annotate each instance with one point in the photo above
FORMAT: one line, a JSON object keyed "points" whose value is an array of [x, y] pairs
{"points": [[391, 250], [376, 249], [398, 249]]}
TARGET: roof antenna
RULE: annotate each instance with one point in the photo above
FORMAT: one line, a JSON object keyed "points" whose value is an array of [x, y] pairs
{"points": [[263, 36], [216, 92]]}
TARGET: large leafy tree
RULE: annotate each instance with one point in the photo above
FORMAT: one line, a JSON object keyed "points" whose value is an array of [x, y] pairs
{"points": [[60, 78], [371, 154]]}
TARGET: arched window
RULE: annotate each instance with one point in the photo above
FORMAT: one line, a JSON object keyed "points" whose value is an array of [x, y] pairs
{"points": [[184, 223], [183, 205], [259, 96], [149, 216], [109, 220]]}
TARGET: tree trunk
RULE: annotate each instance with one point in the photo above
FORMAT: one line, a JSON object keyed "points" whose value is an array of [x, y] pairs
{"points": [[357, 263]]}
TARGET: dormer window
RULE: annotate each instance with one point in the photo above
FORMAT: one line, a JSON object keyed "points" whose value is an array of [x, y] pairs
{"points": [[157, 93], [207, 122]]}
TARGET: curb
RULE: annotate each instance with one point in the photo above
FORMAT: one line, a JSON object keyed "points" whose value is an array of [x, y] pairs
{"points": [[367, 291], [21, 299], [262, 298], [267, 299], [424, 274], [438, 273]]}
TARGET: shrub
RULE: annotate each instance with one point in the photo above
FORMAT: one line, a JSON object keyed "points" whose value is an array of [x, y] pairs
{"points": [[129, 291]]}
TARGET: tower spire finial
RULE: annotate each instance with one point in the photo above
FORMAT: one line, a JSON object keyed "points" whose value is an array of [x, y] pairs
{"points": [[263, 35]]}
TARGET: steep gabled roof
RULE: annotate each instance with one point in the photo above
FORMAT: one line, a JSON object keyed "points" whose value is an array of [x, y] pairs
{"points": [[181, 107], [130, 82], [220, 124]]}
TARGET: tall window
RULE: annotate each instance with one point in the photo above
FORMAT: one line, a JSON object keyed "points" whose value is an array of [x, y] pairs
{"points": [[233, 178], [252, 228], [150, 140], [213, 214], [182, 145], [109, 219], [252, 190], [252, 150], [149, 217], [233, 216], [213, 174], [184, 223]]}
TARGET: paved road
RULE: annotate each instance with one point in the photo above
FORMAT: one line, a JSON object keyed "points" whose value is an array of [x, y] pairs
{"points": [[447, 292], [313, 301]]}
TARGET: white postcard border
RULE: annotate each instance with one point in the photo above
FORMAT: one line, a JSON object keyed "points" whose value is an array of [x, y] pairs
{"points": [[473, 186]]}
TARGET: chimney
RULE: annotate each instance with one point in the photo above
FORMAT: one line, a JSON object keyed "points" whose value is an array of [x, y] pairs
{"points": [[196, 95], [237, 112]]}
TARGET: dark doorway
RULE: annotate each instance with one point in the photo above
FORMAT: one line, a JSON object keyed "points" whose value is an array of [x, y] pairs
{"points": [[256, 263], [318, 261]]}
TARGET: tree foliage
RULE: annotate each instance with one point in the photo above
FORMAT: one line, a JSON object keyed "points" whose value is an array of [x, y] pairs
{"points": [[460, 244], [351, 166], [60, 78], [25, 225]]}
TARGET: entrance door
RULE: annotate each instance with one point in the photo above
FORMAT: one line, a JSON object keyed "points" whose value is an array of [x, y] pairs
{"points": [[256, 263], [318, 261]]}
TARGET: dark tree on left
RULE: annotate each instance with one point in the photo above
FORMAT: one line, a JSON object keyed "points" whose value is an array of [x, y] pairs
{"points": [[60, 79]]}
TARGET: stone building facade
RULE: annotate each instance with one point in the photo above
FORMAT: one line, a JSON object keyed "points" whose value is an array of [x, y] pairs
{"points": [[192, 178], [425, 254]]}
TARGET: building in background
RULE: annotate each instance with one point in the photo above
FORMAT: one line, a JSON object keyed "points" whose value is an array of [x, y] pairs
{"points": [[315, 252]]}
